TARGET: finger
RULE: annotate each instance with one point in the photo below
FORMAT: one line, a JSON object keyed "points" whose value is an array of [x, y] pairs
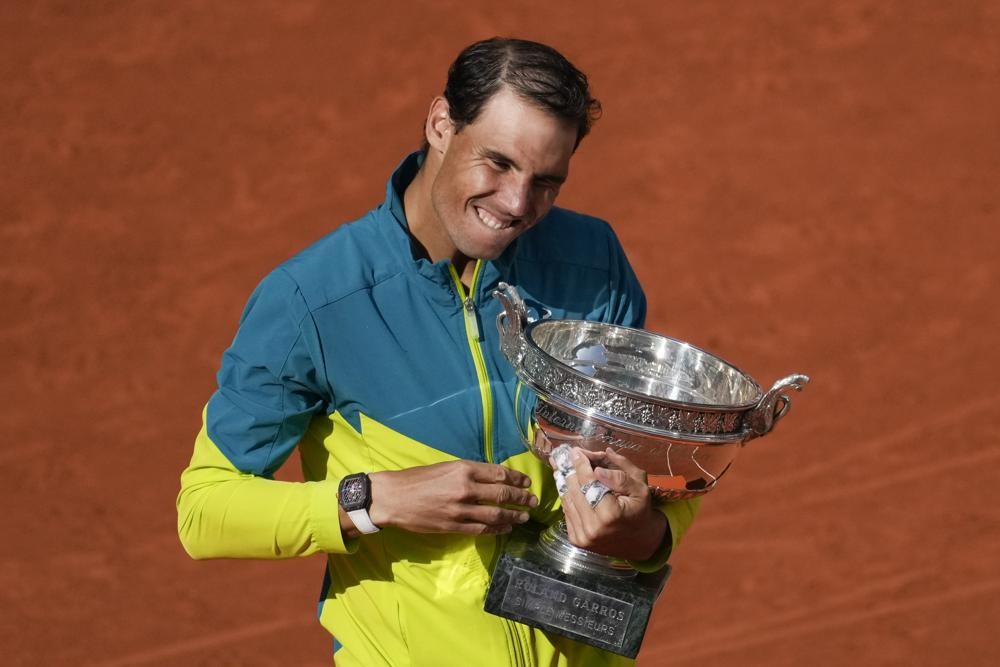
{"points": [[564, 472], [561, 460], [582, 464], [560, 480], [599, 508], [542, 443], [492, 515], [627, 483], [594, 457], [571, 513], [494, 473], [622, 463], [575, 505], [595, 492], [492, 530], [585, 520], [624, 478], [473, 528], [581, 474], [616, 480], [505, 494]]}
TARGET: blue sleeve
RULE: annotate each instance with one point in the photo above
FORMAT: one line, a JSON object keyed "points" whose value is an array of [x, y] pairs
{"points": [[271, 382]]}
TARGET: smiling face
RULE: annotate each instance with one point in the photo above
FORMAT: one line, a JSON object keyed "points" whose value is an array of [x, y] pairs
{"points": [[497, 177]]}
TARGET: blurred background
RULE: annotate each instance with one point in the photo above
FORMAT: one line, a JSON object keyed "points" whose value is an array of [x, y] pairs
{"points": [[801, 186]]}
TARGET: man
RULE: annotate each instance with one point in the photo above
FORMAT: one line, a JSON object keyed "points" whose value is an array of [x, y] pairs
{"points": [[373, 351]]}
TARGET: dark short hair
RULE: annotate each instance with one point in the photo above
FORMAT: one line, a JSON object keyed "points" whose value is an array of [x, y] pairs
{"points": [[537, 73]]}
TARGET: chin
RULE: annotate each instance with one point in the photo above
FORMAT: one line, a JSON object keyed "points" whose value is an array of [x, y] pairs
{"points": [[486, 254], [486, 249]]}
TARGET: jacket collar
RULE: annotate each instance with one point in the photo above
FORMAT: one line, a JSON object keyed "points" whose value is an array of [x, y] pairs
{"points": [[403, 246]]}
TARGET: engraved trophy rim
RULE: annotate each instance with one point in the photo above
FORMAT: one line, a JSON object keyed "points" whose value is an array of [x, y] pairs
{"points": [[700, 439], [752, 412], [674, 403]]}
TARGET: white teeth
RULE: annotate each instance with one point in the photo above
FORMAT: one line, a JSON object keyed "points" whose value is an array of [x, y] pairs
{"points": [[491, 220]]}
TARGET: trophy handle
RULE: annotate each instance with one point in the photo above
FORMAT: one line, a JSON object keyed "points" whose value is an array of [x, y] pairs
{"points": [[511, 323], [774, 405]]}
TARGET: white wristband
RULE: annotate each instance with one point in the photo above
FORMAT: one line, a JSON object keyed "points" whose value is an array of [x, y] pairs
{"points": [[363, 522]]}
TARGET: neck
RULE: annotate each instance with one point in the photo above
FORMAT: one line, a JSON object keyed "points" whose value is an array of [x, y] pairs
{"points": [[425, 227]]}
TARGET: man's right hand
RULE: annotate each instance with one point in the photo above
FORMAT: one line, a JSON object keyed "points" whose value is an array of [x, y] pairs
{"points": [[451, 497]]}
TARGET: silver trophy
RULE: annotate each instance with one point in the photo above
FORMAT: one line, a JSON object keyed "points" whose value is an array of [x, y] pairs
{"points": [[676, 411]]}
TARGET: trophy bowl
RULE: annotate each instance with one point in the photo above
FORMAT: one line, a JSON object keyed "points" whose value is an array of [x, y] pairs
{"points": [[678, 412]]}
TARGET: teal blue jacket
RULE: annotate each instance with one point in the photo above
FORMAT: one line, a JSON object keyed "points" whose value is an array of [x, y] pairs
{"points": [[366, 357]]}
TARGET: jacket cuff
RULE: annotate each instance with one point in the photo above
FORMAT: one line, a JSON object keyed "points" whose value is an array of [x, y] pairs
{"points": [[324, 518], [680, 514], [662, 554]]}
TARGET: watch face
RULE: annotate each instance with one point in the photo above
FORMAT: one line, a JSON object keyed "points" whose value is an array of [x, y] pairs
{"points": [[354, 493]]}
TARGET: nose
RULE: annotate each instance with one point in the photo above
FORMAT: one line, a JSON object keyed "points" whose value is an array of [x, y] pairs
{"points": [[514, 196]]}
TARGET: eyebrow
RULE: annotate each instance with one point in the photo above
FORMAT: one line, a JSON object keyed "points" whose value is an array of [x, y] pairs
{"points": [[497, 156]]}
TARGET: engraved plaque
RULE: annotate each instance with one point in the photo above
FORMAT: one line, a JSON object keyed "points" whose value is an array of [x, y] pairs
{"points": [[562, 605], [610, 613]]}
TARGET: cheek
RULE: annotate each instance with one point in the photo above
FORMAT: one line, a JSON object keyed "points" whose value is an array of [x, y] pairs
{"points": [[479, 182], [544, 200]]}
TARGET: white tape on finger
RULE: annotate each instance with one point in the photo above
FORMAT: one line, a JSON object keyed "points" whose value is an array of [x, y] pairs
{"points": [[563, 470], [562, 455], [594, 491], [560, 482]]}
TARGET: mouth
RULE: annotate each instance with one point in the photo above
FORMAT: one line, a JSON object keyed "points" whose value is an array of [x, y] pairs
{"points": [[492, 221]]}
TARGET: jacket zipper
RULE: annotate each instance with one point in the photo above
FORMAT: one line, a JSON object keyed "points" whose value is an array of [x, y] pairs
{"points": [[474, 337], [475, 346]]}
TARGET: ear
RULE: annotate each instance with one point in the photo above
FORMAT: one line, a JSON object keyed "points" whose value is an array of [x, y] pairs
{"points": [[439, 128]]}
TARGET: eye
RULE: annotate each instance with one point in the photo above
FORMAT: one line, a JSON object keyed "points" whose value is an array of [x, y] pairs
{"points": [[499, 165], [547, 184]]}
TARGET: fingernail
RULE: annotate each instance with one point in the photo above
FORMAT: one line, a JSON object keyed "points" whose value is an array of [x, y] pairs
{"points": [[532, 501], [522, 517]]}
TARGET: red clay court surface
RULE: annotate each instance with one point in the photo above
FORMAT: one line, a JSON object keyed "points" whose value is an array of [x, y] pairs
{"points": [[803, 187]]}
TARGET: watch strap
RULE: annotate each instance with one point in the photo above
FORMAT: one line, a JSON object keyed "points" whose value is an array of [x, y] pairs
{"points": [[363, 522]]}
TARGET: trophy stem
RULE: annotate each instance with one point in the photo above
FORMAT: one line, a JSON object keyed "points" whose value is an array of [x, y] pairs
{"points": [[564, 556]]}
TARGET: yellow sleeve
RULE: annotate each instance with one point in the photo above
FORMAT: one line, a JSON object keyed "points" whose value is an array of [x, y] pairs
{"points": [[223, 513], [680, 515]]}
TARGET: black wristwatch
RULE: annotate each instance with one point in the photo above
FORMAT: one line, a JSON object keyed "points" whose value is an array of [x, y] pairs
{"points": [[355, 496]]}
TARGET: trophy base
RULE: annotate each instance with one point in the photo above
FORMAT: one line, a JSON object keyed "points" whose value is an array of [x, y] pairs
{"points": [[606, 610]]}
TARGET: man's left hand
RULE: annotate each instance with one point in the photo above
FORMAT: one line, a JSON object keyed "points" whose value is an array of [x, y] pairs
{"points": [[624, 524]]}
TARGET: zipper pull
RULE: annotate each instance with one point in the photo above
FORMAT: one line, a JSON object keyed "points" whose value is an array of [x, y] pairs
{"points": [[470, 317]]}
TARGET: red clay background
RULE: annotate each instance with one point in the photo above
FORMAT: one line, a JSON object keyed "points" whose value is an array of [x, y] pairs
{"points": [[803, 187]]}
